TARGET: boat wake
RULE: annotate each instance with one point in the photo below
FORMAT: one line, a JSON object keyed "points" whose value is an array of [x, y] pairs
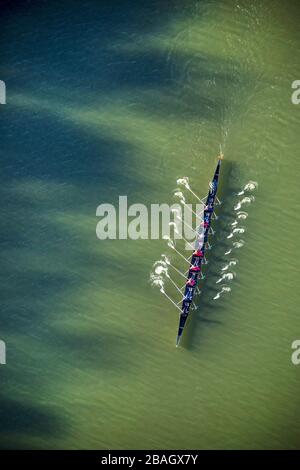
{"points": [[234, 230]]}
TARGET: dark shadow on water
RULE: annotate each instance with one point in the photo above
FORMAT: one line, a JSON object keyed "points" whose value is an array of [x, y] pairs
{"points": [[18, 418], [95, 351]]}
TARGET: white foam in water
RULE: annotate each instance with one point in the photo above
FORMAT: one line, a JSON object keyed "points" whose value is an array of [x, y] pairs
{"points": [[242, 215], [238, 230], [171, 244], [238, 244], [166, 259], [250, 186], [160, 263], [226, 289], [160, 270], [180, 196], [222, 291], [184, 181], [246, 200], [232, 262], [226, 277], [217, 296], [156, 280], [229, 276]]}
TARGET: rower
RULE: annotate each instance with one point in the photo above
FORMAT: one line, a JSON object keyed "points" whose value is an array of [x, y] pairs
{"points": [[195, 261], [195, 268], [198, 253], [206, 220], [213, 187], [189, 295], [190, 282]]}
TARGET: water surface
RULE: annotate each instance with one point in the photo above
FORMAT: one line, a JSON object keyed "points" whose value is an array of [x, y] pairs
{"points": [[107, 99]]}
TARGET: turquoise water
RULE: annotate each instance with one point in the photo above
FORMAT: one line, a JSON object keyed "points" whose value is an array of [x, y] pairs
{"points": [[118, 99]]}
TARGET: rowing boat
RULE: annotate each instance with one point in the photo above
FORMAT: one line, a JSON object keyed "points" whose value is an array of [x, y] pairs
{"points": [[198, 255]]}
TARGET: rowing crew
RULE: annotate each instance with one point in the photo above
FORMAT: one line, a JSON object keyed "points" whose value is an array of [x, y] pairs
{"points": [[198, 254], [194, 270]]}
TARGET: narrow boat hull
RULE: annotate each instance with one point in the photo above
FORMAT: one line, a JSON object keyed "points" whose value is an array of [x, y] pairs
{"points": [[197, 259]]}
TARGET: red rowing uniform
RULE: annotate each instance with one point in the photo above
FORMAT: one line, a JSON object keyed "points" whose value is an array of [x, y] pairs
{"points": [[198, 253], [195, 268], [190, 282]]}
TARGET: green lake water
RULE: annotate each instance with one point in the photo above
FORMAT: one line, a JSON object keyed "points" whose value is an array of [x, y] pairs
{"points": [[122, 98]]}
